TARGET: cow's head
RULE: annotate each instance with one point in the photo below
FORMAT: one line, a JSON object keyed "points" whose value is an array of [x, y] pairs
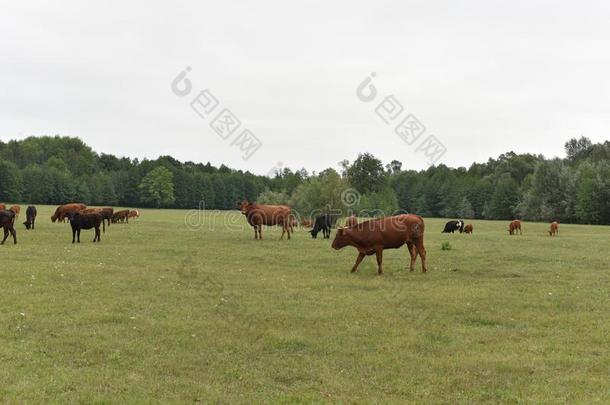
{"points": [[27, 224], [243, 206], [314, 233], [342, 239]]}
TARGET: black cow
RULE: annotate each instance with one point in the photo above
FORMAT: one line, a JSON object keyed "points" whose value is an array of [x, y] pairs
{"points": [[30, 217], [80, 221], [7, 222], [453, 226], [323, 223]]}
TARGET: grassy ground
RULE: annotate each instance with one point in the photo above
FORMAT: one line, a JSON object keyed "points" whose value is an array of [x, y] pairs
{"points": [[161, 311]]}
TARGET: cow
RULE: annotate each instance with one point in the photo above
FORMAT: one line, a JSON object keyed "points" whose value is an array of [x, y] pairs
{"points": [[120, 216], [514, 226], [452, 226], [134, 214], [468, 228], [306, 222], [554, 229], [30, 217], [258, 215], [80, 221], [351, 221], [322, 223], [16, 209], [62, 211], [373, 236], [106, 213], [7, 222]]}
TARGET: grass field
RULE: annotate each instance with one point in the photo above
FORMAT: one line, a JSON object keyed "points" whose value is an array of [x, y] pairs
{"points": [[162, 312]]}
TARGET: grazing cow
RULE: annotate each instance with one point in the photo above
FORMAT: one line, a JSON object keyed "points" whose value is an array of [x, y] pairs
{"points": [[468, 228], [61, 213], [30, 217], [514, 226], [258, 215], [16, 209], [120, 216], [554, 229], [372, 237], [453, 226], [80, 221], [351, 221], [322, 223], [306, 222], [134, 214], [7, 222]]}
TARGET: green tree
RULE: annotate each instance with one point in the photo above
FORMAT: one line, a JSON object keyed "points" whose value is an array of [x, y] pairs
{"points": [[157, 188], [366, 174], [10, 182]]}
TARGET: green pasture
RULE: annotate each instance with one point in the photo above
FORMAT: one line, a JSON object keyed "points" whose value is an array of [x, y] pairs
{"points": [[186, 307]]}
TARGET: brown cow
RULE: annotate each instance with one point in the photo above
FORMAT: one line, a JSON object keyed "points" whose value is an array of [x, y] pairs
{"points": [[259, 215], [122, 216], [106, 213], [306, 222], [372, 237], [554, 229], [514, 226], [16, 209], [134, 214], [351, 221], [2, 207], [61, 213], [468, 228]]}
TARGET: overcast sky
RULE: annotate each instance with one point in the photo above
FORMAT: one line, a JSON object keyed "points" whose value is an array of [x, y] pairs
{"points": [[483, 77]]}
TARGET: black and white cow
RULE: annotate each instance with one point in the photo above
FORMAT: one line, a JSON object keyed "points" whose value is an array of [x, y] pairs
{"points": [[453, 226]]}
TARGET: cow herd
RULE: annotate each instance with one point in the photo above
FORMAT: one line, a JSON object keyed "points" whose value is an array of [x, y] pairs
{"points": [[78, 215], [370, 237]]}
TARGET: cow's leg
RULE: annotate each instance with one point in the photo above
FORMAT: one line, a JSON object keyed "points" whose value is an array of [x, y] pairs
{"points": [[260, 232], [358, 260], [422, 253], [413, 254], [5, 235], [73, 235], [97, 234], [255, 232], [379, 254], [14, 233], [78, 235]]}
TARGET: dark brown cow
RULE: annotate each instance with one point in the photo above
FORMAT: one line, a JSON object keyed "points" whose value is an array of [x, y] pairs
{"points": [[259, 215], [554, 229], [79, 221], [30, 217], [514, 226], [105, 212], [468, 228], [7, 222], [120, 216], [372, 237], [62, 211], [16, 209], [351, 221]]}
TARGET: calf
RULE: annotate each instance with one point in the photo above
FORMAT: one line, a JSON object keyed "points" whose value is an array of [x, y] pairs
{"points": [[16, 209], [372, 237], [468, 228], [30, 217], [80, 221], [452, 226], [7, 222], [322, 223], [514, 226], [306, 222], [122, 216], [554, 229]]}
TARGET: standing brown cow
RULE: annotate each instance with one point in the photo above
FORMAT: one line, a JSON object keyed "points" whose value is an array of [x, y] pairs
{"points": [[259, 215], [554, 229], [62, 211], [468, 228], [16, 209], [106, 213], [372, 237], [134, 214], [514, 226]]}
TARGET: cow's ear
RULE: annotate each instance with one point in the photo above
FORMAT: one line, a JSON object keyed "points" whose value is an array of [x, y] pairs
{"points": [[340, 231]]}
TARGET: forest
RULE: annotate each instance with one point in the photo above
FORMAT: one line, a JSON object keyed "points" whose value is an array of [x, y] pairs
{"points": [[572, 189]]}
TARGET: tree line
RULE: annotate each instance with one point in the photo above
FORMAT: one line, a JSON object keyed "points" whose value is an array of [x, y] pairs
{"points": [[576, 188]]}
